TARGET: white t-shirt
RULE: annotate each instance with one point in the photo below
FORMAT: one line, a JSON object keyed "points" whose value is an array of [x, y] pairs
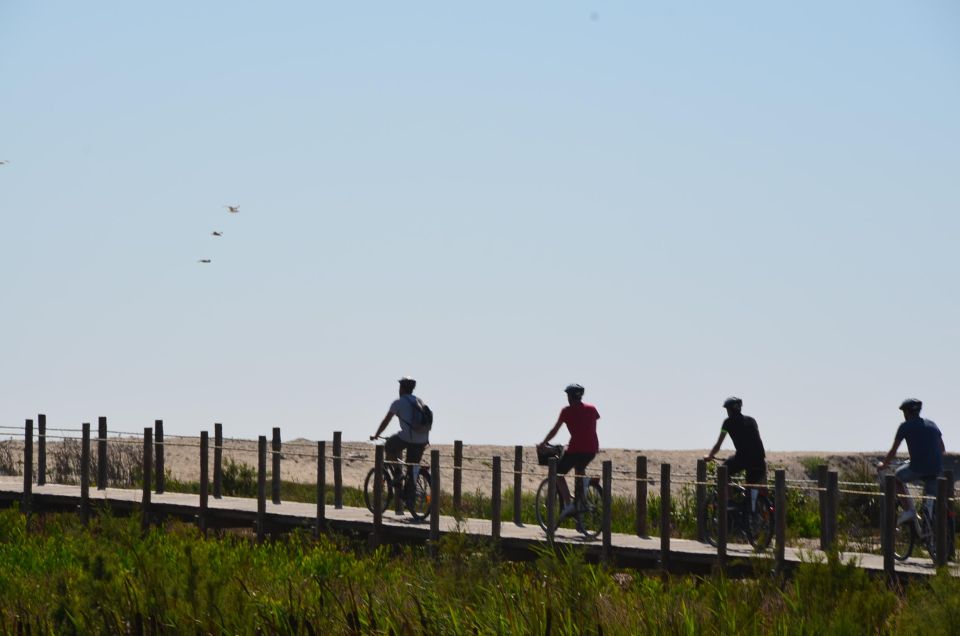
{"points": [[403, 409]]}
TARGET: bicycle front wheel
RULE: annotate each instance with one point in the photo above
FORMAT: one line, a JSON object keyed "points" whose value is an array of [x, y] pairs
{"points": [[904, 536], [368, 485], [541, 505], [712, 515], [591, 512], [760, 524], [422, 496]]}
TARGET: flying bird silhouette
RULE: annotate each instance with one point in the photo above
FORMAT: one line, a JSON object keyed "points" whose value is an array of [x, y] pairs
{"points": [[3, 162], [204, 260], [232, 209], [216, 233]]}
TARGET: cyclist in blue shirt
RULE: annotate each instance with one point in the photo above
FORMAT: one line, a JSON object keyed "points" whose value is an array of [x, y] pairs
{"points": [[925, 444]]}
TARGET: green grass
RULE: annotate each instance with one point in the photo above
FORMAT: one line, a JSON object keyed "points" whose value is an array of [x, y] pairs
{"points": [[59, 577]]}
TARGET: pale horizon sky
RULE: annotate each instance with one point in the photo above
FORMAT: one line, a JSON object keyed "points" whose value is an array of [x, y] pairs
{"points": [[667, 203]]}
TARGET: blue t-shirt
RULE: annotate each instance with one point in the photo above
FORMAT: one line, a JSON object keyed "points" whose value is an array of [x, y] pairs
{"points": [[923, 442]]}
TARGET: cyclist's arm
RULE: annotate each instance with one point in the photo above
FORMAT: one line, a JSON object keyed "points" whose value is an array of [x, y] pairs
{"points": [[716, 447], [383, 425], [893, 452], [553, 431]]}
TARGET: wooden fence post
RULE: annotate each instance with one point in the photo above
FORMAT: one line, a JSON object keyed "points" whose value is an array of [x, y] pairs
{"points": [[321, 487], [337, 474], [517, 484], [27, 499], [607, 507], [160, 453], [889, 524], [551, 498], [780, 517], [85, 474], [833, 496], [940, 517], [435, 502], [722, 492], [457, 476], [261, 488], [145, 503], [665, 517], [641, 513], [276, 464], [822, 497], [495, 502], [204, 479], [41, 449], [378, 493], [701, 500], [217, 461], [951, 515], [101, 453]]}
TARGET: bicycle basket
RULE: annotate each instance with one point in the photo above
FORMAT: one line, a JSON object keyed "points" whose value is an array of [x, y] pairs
{"points": [[544, 453]]}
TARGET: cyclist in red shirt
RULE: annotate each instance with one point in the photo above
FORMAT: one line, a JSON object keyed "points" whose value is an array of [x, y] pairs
{"points": [[581, 420]]}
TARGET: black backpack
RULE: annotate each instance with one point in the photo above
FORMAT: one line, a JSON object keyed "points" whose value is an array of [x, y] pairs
{"points": [[422, 420]]}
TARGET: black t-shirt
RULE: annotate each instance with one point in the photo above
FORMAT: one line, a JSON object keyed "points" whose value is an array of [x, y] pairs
{"points": [[745, 434]]}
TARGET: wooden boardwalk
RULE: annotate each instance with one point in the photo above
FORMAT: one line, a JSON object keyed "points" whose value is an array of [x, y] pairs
{"points": [[628, 550]]}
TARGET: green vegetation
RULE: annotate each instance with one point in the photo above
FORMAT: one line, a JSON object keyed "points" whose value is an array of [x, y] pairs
{"points": [[59, 577]]}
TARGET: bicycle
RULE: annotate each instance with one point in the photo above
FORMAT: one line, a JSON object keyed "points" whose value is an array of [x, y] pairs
{"points": [[753, 522], [910, 532], [395, 483], [587, 514]]}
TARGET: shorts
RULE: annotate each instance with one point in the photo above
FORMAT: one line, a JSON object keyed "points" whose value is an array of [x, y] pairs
{"points": [[907, 475], [755, 473], [394, 446], [577, 461]]}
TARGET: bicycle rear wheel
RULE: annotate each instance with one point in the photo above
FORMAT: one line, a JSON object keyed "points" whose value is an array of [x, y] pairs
{"points": [[368, 485], [929, 536], [419, 507], [760, 524]]}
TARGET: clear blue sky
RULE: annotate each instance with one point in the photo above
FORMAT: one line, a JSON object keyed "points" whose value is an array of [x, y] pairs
{"points": [[666, 202]]}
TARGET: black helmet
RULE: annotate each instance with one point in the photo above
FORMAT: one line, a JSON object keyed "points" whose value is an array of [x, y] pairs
{"points": [[574, 389], [732, 401], [407, 381], [911, 404]]}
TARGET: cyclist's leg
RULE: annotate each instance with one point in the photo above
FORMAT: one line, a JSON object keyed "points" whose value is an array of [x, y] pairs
{"points": [[566, 462], [904, 476], [929, 492], [756, 476], [414, 455], [582, 460]]}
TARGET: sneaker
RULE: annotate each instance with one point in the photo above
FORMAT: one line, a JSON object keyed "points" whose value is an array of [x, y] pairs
{"points": [[906, 516]]}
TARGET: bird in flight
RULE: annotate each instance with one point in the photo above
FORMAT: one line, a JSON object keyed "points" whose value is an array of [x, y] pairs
{"points": [[204, 260], [232, 209], [216, 233], [3, 162]]}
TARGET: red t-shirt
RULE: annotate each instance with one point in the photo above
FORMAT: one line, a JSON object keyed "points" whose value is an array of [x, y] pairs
{"points": [[581, 420]]}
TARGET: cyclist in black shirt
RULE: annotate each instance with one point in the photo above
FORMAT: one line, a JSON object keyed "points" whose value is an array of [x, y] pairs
{"points": [[750, 456]]}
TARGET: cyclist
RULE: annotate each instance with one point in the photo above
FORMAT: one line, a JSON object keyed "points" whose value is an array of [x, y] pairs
{"points": [[750, 456], [925, 444], [581, 420], [413, 441]]}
